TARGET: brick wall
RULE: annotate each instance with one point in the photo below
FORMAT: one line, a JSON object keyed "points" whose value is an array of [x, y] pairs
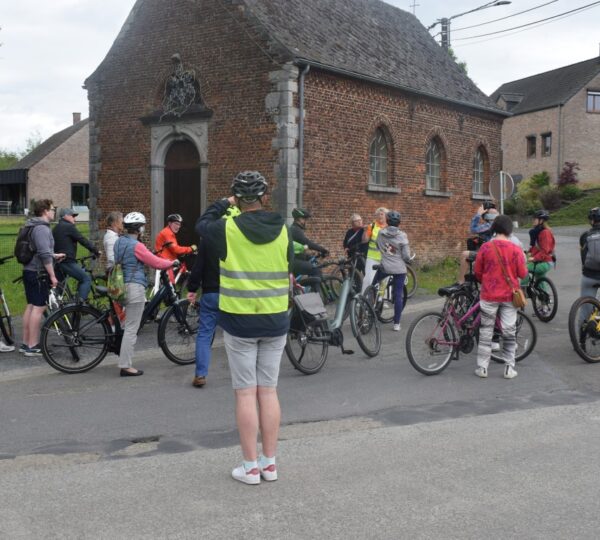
{"points": [[581, 134], [514, 143], [341, 117], [68, 164]]}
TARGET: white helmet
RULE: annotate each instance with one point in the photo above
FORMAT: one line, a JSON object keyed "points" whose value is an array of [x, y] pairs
{"points": [[134, 220]]}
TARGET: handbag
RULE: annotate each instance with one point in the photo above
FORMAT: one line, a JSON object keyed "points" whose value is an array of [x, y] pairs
{"points": [[115, 283], [518, 298]]}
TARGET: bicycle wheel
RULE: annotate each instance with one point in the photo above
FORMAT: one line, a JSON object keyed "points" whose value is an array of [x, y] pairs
{"points": [[584, 328], [526, 339], [75, 338], [545, 300], [305, 353], [430, 343], [6, 325], [462, 301], [177, 332], [383, 305], [365, 326], [411, 281]]}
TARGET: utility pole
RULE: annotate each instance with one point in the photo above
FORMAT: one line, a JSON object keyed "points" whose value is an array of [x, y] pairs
{"points": [[414, 5], [445, 22]]}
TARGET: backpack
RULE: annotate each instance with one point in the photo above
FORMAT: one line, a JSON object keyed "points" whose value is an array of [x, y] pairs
{"points": [[592, 255], [25, 248]]}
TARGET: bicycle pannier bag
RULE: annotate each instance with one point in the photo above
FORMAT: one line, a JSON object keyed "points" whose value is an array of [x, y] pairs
{"points": [[592, 256], [116, 284], [311, 308], [25, 248]]}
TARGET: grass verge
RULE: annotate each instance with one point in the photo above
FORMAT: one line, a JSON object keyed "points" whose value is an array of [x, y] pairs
{"points": [[431, 277], [576, 213]]}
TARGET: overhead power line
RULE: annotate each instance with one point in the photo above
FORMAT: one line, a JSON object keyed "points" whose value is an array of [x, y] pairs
{"points": [[502, 18], [531, 23], [538, 24]]}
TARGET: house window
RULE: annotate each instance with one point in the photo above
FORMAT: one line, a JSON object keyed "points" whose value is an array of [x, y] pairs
{"points": [[80, 193], [433, 166], [479, 173], [378, 160], [531, 146], [593, 102], [546, 144]]}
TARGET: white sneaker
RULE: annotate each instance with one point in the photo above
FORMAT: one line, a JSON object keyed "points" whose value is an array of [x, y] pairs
{"points": [[510, 372], [495, 346], [481, 372], [397, 328], [6, 348], [251, 477], [269, 473]]}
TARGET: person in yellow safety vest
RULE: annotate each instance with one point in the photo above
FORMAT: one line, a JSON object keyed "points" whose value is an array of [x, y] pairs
{"points": [[373, 254], [256, 256]]}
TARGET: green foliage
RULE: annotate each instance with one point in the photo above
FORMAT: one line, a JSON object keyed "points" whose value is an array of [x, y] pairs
{"points": [[510, 207], [7, 159], [528, 197], [568, 174], [540, 180], [432, 277], [576, 213], [570, 192], [462, 65], [32, 142], [550, 198]]}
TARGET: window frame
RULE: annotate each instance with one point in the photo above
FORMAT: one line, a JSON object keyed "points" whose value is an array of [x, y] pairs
{"points": [[429, 186], [86, 190], [379, 160], [528, 148], [595, 97], [544, 138], [479, 172]]}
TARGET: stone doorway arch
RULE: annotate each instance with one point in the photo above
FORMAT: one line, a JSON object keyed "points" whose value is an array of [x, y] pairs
{"points": [[164, 139]]}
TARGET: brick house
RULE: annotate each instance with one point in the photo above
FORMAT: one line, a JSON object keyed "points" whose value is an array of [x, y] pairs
{"points": [[555, 118], [57, 169], [344, 106]]}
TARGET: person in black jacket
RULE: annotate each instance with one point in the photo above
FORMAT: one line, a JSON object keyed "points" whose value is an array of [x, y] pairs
{"points": [[353, 240], [205, 275], [66, 238], [301, 263]]}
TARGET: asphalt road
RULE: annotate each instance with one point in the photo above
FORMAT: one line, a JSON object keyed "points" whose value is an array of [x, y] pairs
{"points": [[370, 448]]}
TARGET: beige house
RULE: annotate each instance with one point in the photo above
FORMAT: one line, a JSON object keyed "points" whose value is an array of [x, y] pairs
{"points": [[555, 118], [57, 169]]}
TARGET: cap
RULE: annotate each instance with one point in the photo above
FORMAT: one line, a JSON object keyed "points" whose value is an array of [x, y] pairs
{"points": [[67, 212]]}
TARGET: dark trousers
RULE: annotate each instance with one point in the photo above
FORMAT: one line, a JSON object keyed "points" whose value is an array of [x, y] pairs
{"points": [[72, 269], [398, 288]]}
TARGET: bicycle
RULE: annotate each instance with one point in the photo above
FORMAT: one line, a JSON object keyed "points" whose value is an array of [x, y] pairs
{"points": [[434, 339], [411, 282], [6, 325], [584, 328], [77, 337], [312, 331], [381, 296], [544, 298]]}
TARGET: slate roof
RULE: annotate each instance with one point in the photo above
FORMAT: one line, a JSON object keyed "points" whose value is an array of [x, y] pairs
{"points": [[551, 88], [48, 146], [368, 39]]}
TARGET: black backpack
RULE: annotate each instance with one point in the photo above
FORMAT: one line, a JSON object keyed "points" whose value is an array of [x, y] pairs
{"points": [[25, 248], [592, 255]]}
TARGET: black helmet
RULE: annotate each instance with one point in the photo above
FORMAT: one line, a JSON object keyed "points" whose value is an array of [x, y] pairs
{"points": [[174, 217], [300, 213], [594, 215], [489, 204], [393, 218], [249, 186], [542, 214]]}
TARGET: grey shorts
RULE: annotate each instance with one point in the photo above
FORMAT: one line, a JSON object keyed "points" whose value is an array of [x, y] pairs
{"points": [[254, 361]]}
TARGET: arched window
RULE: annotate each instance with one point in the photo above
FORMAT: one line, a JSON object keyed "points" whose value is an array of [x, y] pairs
{"points": [[378, 159], [480, 167], [433, 164]]}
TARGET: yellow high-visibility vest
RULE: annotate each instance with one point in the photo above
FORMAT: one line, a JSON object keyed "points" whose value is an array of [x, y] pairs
{"points": [[373, 252], [254, 278]]}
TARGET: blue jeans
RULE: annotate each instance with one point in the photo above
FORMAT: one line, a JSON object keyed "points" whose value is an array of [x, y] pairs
{"points": [[85, 281], [209, 308]]}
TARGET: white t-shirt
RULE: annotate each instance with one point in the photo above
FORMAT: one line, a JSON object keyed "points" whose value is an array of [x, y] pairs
{"points": [[110, 238]]}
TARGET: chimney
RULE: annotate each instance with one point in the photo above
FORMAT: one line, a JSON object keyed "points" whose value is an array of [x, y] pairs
{"points": [[76, 117]]}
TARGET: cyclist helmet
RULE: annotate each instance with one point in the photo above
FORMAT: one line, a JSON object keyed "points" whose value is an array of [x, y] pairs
{"points": [[542, 214], [301, 213], [594, 214], [134, 221], [174, 217], [489, 204], [249, 186], [393, 218]]}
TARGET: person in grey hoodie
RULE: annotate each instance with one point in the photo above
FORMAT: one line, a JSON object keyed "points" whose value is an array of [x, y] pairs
{"points": [[393, 244], [38, 275]]}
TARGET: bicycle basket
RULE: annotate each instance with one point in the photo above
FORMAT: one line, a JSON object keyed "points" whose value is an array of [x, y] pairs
{"points": [[309, 309]]}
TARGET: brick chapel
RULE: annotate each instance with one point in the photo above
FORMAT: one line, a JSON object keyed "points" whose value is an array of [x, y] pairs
{"points": [[343, 106]]}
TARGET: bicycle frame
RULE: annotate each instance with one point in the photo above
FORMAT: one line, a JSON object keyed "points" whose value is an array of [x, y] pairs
{"points": [[345, 297]]}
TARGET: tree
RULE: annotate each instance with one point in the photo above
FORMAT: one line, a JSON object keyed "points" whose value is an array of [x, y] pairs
{"points": [[7, 159], [462, 65], [568, 175]]}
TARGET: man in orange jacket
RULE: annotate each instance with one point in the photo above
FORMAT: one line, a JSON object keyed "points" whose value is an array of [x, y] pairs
{"points": [[168, 236]]}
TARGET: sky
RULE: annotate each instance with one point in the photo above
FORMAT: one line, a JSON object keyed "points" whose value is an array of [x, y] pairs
{"points": [[49, 47]]}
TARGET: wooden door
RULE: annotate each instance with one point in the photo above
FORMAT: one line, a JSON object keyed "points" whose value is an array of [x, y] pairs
{"points": [[182, 188]]}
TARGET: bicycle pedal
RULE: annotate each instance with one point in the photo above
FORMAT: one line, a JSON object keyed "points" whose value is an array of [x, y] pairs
{"points": [[347, 351]]}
